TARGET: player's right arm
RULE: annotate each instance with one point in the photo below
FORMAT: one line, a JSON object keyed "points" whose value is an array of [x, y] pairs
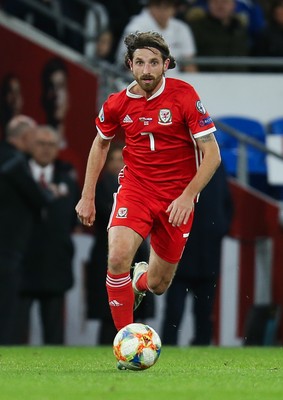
{"points": [[97, 156]]}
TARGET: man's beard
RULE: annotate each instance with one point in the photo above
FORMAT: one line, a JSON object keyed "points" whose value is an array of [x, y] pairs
{"points": [[151, 84]]}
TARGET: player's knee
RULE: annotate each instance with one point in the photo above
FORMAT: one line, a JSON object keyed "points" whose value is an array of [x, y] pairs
{"points": [[158, 291], [159, 287], [118, 263]]}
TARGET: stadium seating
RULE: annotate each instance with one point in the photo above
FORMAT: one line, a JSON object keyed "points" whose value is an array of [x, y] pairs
{"points": [[276, 126], [229, 146]]}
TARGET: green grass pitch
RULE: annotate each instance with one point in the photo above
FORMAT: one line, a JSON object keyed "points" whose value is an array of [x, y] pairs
{"points": [[189, 373]]}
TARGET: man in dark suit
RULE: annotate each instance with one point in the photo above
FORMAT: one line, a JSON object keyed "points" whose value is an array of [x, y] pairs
{"points": [[199, 267], [20, 202], [47, 273]]}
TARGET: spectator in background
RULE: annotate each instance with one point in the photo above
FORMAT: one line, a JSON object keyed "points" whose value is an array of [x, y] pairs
{"points": [[119, 13], [56, 103], [55, 96], [47, 273], [96, 267], [251, 13], [11, 100], [270, 42], [199, 267], [96, 22], [21, 200], [220, 33], [158, 16], [102, 47]]}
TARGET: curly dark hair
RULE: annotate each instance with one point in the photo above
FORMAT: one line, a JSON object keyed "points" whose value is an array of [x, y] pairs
{"points": [[143, 40]]}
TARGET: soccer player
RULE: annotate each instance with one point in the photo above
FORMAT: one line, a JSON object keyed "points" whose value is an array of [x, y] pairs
{"points": [[170, 154]]}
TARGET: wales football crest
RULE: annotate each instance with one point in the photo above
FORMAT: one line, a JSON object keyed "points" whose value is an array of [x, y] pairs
{"points": [[165, 116]]}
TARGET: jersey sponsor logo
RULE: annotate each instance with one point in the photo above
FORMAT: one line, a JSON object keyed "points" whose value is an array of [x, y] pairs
{"points": [[101, 115], [205, 121], [200, 107], [165, 116], [122, 212], [127, 119], [145, 120]]}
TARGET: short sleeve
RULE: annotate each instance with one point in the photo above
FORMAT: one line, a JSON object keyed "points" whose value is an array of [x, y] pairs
{"points": [[107, 122], [199, 121]]}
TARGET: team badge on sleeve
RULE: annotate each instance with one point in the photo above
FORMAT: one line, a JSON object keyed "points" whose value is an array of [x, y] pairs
{"points": [[101, 115], [165, 116], [200, 107]]}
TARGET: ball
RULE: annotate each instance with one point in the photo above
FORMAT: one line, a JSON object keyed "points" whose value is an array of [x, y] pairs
{"points": [[136, 347]]}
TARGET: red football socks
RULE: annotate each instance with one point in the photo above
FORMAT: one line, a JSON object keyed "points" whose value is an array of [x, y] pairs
{"points": [[141, 283], [121, 298]]}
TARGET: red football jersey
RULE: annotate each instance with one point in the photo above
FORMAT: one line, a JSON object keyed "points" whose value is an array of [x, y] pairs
{"points": [[160, 154]]}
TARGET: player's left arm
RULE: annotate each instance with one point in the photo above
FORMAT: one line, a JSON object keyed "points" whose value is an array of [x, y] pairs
{"points": [[179, 210]]}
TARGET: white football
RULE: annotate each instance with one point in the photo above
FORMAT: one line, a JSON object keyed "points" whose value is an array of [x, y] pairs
{"points": [[137, 347]]}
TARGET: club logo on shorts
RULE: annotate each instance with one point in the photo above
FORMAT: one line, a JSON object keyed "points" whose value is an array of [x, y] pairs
{"points": [[200, 107], [165, 116], [122, 212]]}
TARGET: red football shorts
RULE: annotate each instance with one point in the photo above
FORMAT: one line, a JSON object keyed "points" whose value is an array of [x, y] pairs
{"points": [[147, 215]]}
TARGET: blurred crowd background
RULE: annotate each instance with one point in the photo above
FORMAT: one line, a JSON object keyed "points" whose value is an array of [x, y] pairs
{"points": [[192, 27]]}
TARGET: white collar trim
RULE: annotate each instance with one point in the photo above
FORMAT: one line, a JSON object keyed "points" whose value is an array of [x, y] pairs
{"points": [[138, 96]]}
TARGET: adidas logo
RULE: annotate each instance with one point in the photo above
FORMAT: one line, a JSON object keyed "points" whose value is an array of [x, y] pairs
{"points": [[115, 303], [127, 119]]}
